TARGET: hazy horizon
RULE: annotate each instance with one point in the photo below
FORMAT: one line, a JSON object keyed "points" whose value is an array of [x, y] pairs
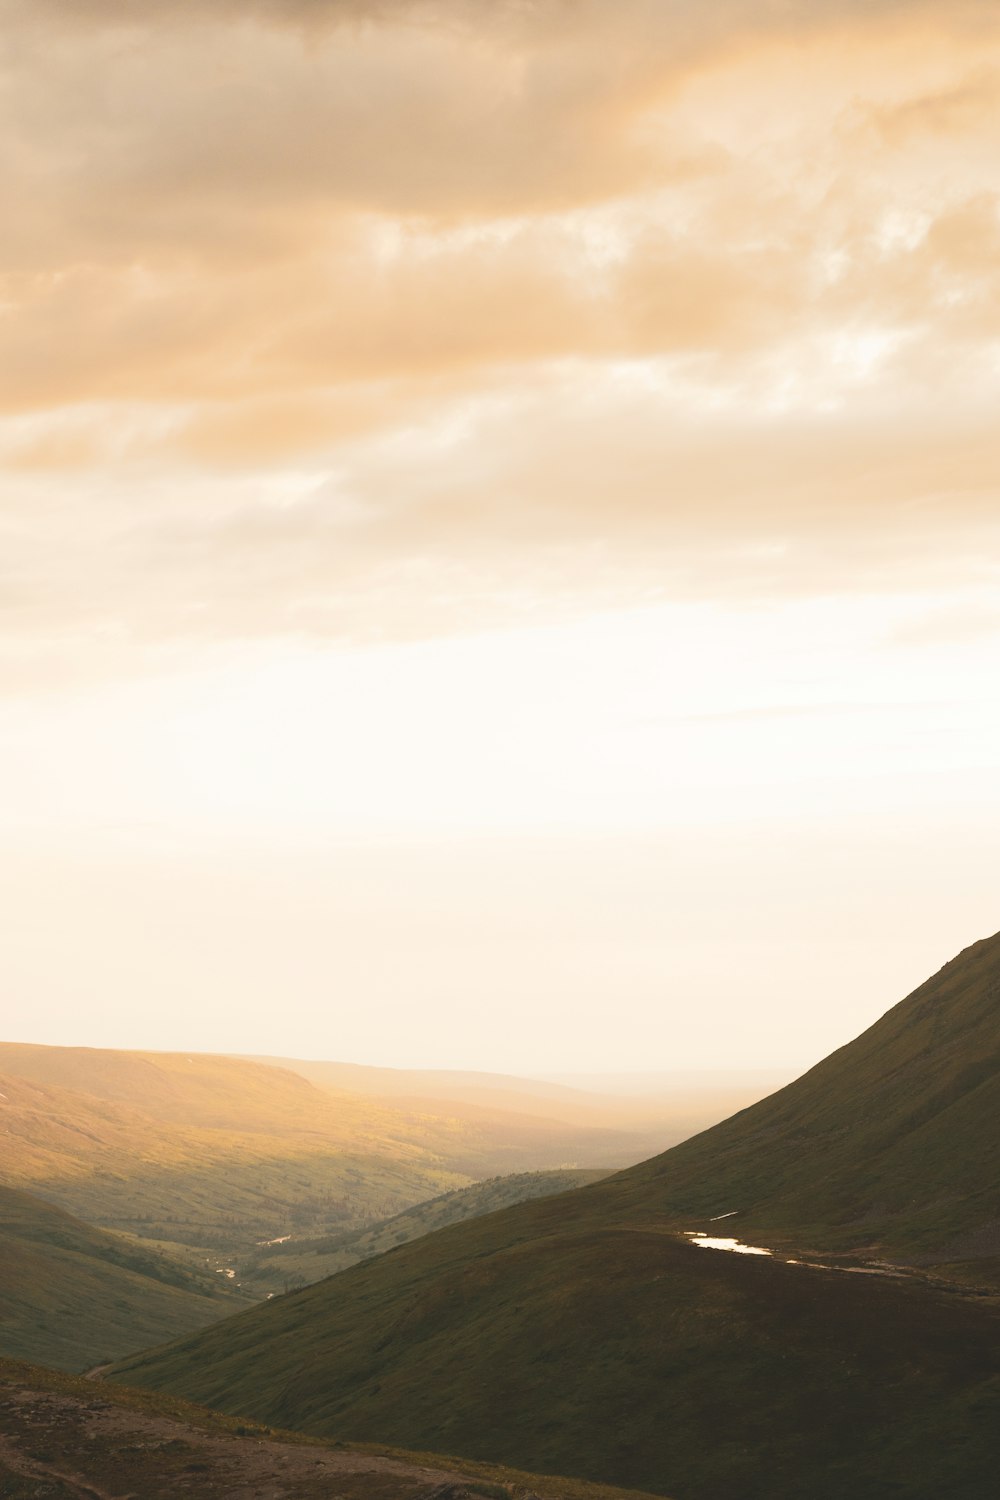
{"points": [[499, 526], [637, 1083]]}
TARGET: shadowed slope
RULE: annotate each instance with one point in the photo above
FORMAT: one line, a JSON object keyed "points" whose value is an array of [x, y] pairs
{"points": [[623, 1354], [71, 1295], [891, 1145]]}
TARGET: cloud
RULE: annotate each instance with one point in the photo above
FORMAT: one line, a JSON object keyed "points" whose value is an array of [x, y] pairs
{"points": [[972, 621], [967, 105], [385, 318]]}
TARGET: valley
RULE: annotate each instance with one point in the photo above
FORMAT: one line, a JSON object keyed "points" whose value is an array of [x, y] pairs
{"points": [[301, 1261], [149, 1194], [587, 1332], [73, 1296], [214, 1156]]}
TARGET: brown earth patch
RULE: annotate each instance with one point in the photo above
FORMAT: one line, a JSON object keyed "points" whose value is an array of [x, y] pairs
{"points": [[64, 1445]]}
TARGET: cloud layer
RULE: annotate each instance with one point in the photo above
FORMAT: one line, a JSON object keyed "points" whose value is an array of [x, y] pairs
{"points": [[376, 319]]}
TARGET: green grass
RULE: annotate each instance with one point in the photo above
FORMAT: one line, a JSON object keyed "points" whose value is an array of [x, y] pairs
{"points": [[622, 1355], [73, 1296], [582, 1334], [311, 1260], [888, 1147], [210, 1152]]}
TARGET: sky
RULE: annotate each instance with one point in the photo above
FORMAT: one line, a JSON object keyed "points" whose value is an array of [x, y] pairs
{"points": [[499, 524]]}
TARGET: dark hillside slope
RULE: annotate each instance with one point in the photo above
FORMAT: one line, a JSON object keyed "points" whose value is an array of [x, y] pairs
{"points": [[626, 1355], [891, 1145], [583, 1334], [71, 1295]]}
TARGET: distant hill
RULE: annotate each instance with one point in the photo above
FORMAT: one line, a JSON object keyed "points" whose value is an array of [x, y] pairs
{"points": [[72, 1296], [206, 1152], [586, 1333], [437, 1083], [64, 1439], [619, 1124], [303, 1261]]}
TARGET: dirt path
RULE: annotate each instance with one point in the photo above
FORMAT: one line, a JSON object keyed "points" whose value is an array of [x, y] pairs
{"points": [[98, 1449], [18, 1463]]}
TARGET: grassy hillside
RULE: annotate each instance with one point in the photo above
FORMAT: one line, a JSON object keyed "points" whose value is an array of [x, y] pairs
{"points": [[580, 1125], [72, 1295], [890, 1146], [303, 1261], [622, 1354], [222, 1175], [584, 1333], [145, 1141], [63, 1438], [525, 1095], [475, 1130]]}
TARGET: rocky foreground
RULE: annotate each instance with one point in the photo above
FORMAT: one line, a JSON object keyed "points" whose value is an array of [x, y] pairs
{"points": [[63, 1438]]}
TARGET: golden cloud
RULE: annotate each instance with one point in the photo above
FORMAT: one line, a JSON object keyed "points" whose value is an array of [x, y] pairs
{"points": [[305, 307]]}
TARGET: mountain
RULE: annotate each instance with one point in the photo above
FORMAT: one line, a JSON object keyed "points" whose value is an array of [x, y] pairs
{"points": [[301, 1261], [72, 1295], [586, 1333], [890, 1147], [598, 1128], [618, 1099], [65, 1439], [472, 1087]]}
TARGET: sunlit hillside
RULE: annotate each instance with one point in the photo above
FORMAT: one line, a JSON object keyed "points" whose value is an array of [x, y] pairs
{"points": [[207, 1152]]}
